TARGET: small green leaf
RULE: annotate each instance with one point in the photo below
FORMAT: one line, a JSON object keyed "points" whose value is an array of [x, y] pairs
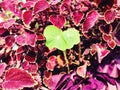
{"points": [[71, 37], [55, 38]]}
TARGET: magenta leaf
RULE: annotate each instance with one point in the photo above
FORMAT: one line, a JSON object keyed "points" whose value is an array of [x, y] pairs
{"points": [[111, 44], [68, 2], [77, 17], [28, 4], [31, 67], [53, 2], [102, 52], [27, 17], [57, 20], [2, 68], [41, 5], [90, 20], [107, 37], [65, 9], [51, 63], [54, 80], [27, 38], [109, 16], [16, 78], [9, 23], [9, 40]]}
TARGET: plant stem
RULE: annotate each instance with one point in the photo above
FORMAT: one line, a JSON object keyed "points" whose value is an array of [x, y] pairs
{"points": [[79, 48], [66, 61]]}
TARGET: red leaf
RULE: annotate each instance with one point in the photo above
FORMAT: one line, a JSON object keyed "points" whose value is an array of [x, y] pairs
{"points": [[111, 44], [77, 17], [16, 78], [2, 30], [57, 20], [41, 5], [47, 74], [2, 68], [27, 17], [107, 37], [9, 40], [30, 56], [109, 16], [40, 37], [90, 20]]}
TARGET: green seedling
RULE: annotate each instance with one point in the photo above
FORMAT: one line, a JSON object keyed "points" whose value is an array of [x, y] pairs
{"points": [[62, 40]]}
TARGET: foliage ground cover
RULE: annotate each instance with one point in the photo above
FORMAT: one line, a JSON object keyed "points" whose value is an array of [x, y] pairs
{"points": [[60, 45]]}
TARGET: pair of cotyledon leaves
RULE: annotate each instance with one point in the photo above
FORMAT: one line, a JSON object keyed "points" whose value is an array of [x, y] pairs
{"points": [[62, 40]]}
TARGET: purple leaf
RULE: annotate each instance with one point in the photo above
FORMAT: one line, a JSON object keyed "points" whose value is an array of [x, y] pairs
{"points": [[111, 70], [106, 29], [57, 20], [109, 16], [16, 78], [93, 84], [2, 68], [41, 5], [77, 17], [30, 56], [90, 20]]}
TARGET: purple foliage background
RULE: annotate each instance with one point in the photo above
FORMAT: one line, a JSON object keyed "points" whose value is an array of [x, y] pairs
{"points": [[27, 64]]}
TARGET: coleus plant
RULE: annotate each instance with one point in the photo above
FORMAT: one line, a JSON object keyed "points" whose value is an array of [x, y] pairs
{"points": [[88, 30]]}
